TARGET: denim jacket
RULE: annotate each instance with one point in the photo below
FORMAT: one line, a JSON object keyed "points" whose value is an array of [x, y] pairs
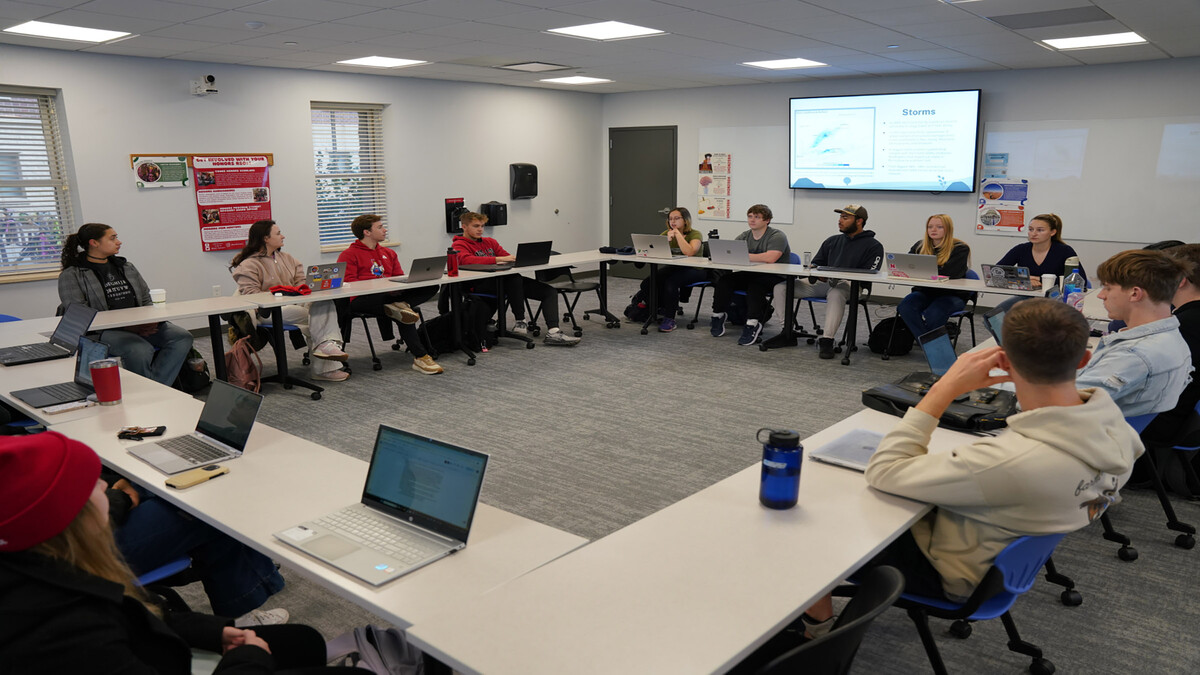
{"points": [[1144, 369]]}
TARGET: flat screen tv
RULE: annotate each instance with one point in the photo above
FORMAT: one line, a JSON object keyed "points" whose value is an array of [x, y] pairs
{"points": [[915, 142]]}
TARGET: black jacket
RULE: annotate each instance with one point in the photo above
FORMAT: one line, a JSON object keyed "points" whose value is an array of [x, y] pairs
{"points": [[956, 268], [55, 618], [863, 252]]}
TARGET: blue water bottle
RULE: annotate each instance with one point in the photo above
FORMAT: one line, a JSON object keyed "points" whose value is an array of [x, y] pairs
{"points": [[780, 486]]}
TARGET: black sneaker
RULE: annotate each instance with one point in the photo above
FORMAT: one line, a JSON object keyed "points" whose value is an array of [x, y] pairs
{"points": [[750, 334], [826, 345]]}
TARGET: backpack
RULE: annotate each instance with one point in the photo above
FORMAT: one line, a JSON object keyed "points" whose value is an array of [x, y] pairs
{"points": [[243, 368], [375, 649], [893, 330], [193, 376], [241, 325], [637, 311]]}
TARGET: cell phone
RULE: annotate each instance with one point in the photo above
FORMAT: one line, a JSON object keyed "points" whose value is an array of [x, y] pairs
{"points": [[196, 476]]}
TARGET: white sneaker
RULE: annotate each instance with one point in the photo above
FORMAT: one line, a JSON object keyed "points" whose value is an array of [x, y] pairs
{"points": [[262, 617], [332, 376], [520, 328], [402, 312], [329, 351], [558, 338]]}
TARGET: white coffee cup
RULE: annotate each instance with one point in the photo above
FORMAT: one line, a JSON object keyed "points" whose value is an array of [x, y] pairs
{"points": [[158, 295], [1048, 281]]}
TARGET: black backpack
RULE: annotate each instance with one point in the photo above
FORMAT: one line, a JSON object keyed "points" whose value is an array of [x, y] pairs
{"points": [[892, 337]]}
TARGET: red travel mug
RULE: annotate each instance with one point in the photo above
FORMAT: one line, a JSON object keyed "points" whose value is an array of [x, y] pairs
{"points": [[451, 262], [106, 379]]}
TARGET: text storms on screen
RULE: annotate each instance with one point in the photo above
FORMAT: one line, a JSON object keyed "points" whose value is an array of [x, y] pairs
{"points": [[920, 141]]}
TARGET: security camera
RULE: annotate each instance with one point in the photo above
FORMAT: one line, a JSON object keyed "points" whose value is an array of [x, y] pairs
{"points": [[210, 80], [205, 85]]}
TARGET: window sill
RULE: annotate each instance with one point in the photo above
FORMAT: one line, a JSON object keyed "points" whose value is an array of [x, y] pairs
{"points": [[338, 248], [18, 277]]}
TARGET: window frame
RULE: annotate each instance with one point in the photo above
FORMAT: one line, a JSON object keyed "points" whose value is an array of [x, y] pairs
{"points": [[364, 178]]}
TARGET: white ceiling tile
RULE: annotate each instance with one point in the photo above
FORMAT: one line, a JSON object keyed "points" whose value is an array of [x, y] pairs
{"points": [[187, 31], [466, 9], [76, 17], [215, 4], [209, 57], [337, 31], [59, 4], [308, 10], [20, 12], [27, 41], [161, 11], [781, 14], [397, 20], [1117, 54], [123, 50], [237, 20]]}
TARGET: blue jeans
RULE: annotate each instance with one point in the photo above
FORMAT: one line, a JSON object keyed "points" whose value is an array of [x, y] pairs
{"points": [[236, 578], [923, 313], [138, 356]]}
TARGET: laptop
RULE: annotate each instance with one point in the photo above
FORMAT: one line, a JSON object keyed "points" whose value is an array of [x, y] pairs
{"points": [[730, 252], [419, 501], [913, 266], [851, 450], [653, 246], [994, 320], [528, 253], [67, 392], [221, 433], [939, 354], [75, 322], [423, 269], [324, 277], [1007, 276]]}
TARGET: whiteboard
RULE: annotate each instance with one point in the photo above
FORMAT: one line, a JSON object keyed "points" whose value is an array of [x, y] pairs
{"points": [[759, 169], [1120, 180]]}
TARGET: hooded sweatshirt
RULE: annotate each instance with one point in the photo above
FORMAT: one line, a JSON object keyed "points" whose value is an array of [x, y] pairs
{"points": [[841, 250], [483, 251], [1053, 470]]}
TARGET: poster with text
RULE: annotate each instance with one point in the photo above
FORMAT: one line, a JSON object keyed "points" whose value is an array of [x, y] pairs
{"points": [[160, 171], [1002, 206], [713, 186], [232, 192]]}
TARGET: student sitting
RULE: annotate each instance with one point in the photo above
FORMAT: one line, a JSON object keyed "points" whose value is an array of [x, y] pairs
{"points": [[1145, 366], [261, 265], [1045, 252], [684, 241], [1182, 420], [766, 245], [367, 259], [475, 249], [94, 275], [1056, 468], [925, 309]]}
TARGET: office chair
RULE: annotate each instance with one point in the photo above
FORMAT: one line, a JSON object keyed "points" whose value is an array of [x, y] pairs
{"points": [[1012, 573], [563, 288], [281, 356], [967, 312], [863, 297], [346, 317], [1185, 540], [8, 317]]}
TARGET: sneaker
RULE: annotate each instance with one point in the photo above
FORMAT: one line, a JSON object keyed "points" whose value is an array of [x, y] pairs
{"points": [[750, 333], [329, 351], [262, 617], [816, 629], [666, 326], [427, 365], [717, 327], [826, 345], [332, 376], [559, 338], [402, 312], [520, 328]]}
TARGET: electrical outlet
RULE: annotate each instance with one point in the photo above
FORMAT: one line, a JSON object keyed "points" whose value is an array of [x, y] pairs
{"points": [[216, 290]]}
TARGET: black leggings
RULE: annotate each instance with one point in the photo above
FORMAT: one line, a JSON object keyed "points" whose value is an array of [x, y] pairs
{"points": [[299, 650]]}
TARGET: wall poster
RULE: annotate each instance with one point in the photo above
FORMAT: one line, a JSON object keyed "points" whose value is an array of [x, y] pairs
{"points": [[159, 171], [1002, 206], [232, 192], [714, 186]]}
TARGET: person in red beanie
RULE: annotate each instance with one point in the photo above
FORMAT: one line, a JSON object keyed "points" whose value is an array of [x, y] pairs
{"points": [[68, 602]]}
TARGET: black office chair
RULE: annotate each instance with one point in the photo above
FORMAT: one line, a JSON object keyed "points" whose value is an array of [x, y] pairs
{"points": [[346, 317], [564, 287], [863, 297], [967, 312]]}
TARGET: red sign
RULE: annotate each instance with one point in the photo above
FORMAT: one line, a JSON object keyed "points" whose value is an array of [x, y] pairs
{"points": [[232, 192]]}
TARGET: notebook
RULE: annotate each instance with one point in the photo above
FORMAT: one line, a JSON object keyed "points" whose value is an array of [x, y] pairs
{"points": [[653, 246], [420, 495], [221, 433], [994, 320], [67, 392], [325, 277], [528, 253], [75, 322], [1007, 276], [423, 269], [730, 252], [851, 450], [913, 266]]}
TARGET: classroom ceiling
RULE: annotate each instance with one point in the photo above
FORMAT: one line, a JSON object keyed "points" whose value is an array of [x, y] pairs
{"points": [[704, 45]]}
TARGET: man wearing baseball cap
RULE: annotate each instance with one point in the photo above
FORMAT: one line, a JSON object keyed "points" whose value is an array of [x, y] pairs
{"points": [[854, 247]]}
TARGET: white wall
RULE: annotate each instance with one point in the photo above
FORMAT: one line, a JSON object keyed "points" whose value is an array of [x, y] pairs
{"points": [[1132, 90], [443, 139]]}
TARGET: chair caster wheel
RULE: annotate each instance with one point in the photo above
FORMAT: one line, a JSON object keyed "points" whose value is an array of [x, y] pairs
{"points": [[838, 350], [1071, 598], [886, 357], [566, 318], [1041, 667], [376, 366], [535, 331], [645, 331], [529, 345], [586, 316], [845, 360], [691, 326], [395, 346], [306, 361], [762, 347], [961, 629], [1185, 541], [578, 332], [811, 341], [316, 396], [471, 361], [1127, 553]]}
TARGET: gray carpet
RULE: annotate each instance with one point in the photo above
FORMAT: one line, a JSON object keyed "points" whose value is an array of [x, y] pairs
{"points": [[592, 438]]}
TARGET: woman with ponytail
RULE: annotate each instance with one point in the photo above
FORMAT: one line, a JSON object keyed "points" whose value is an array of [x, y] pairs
{"points": [[925, 309]]}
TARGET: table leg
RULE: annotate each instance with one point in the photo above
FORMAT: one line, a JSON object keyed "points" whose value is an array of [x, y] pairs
{"points": [[280, 348], [610, 320], [652, 301], [502, 319], [456, 313], [852, 322], [218, 346]]}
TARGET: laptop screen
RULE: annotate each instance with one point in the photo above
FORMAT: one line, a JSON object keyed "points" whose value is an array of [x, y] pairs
{"points": [[89, 350], [73, 325], [939, 351], [995, 324], [430, 483], [228, 414]]}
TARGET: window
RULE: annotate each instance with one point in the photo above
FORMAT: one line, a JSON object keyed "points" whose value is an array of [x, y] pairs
{"points": [[35, 195], [348, 163]]}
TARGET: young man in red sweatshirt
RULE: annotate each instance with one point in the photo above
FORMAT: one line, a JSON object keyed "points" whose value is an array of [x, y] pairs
{"points": [[367, 259], [475, 249]]}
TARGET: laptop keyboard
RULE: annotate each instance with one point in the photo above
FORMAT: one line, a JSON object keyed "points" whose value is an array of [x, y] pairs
{"points": [[35, 350], [358, 524], [66, 391], [193, 449]]}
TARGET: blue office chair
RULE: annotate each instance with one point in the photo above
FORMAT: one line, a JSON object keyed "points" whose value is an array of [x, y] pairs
{"points": [[1012, 573], [967, 312], [168, 570], [863, 298], [281, 353], [793, 259], [8, 317]]}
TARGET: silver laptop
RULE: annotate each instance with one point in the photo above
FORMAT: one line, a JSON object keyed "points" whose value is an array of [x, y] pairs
{"points": [[76, 320], [1007, 276], [653, 246], [221, 433], [852, 450], [912, 266], [417, 507], [730, 252], [324, 277], [67, 392], [423, 269]]}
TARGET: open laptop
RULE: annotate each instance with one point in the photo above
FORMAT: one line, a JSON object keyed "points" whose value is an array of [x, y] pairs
{"points": [[939, 354], [730, 252], [528, 253], [851, 450], [912, 266], [221, 433], [423, 269], [324, 277], [75, 322], [653, 246], [417, 506], [1007, 276], [994, 320], [67, 392]]}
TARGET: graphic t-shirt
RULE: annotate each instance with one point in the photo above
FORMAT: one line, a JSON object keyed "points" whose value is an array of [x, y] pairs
{"points": [[117, 289]]}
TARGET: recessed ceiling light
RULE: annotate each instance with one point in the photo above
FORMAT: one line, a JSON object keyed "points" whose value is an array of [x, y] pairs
{"points": [[1092, 41], [60, 31], [784, 64], [893, 46], [291, 44], [534, 67], [606, 30], [576, 79], [381, 62]]}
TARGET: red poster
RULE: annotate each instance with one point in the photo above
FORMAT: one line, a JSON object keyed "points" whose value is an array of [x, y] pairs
{"points": [[232, 192]]}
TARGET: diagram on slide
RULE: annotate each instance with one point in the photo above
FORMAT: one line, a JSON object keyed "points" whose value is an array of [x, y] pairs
{"points": [[828, 139]]}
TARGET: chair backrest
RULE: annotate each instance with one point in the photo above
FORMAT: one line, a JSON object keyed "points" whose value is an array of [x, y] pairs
{"points": [[833, 654], [1021, 561], [8, 317], [1140, 422], [794, 258], [972, 274]]}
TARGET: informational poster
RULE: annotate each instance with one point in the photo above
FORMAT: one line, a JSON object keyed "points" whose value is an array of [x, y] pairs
{"points": [[159, 171], [232, 192], [715, 185], [1002, 206]]}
